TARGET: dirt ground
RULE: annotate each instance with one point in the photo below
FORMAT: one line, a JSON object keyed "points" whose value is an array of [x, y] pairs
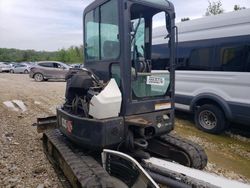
{"points": [[23, 164]]}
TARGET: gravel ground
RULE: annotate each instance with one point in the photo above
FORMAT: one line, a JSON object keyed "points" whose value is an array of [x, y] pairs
{"points": [[22, 162]]}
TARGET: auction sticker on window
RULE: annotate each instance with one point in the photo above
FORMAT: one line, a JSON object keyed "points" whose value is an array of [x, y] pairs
{"points": [[154, 80]]}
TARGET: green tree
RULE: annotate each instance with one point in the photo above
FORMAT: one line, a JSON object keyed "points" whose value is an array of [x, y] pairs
{"points": [[214, 8], [185, 19], [74, 54], [26, 56], [238, 7]]}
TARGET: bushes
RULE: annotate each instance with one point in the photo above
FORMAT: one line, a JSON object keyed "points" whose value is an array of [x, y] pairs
{"points": [[73, 54]]}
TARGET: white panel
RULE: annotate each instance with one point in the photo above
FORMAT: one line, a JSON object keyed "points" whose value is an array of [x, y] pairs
{"points": [[230, 24], [197, 174], [231, 86], [106, 104]]}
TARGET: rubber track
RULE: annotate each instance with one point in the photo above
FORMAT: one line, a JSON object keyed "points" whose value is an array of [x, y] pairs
{"points": [[195, 152], [87, 171]]}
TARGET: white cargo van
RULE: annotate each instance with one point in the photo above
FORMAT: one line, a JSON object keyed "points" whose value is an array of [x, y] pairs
{"points": [[213, 69]]}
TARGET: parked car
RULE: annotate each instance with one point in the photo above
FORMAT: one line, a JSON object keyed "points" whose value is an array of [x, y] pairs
{"points": [[5, 67], [20, 68], [45, 70], [76, 66]]}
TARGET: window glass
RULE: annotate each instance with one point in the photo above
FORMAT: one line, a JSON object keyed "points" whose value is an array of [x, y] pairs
{"points": [[56, 65], [148, 79], [200, 59], [106, 45], [115, 73], [92, 35], [248, 59], [140, 36], [233, 59], [110, 47], [46, 64], [155, 83]]}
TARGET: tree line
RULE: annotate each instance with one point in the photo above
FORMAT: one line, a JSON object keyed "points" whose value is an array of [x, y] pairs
{"points": [[74, 54], [215, 8]]}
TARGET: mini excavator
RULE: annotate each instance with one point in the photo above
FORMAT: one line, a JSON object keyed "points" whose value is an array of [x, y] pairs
{"points": [[119, 109]]}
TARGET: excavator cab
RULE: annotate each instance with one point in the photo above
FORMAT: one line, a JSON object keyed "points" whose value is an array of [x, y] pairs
{"points": [[121, 96], [117, 45], [122, 100]]}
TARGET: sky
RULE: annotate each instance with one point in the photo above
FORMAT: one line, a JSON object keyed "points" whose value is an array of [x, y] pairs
{"points": [[54, 24]]}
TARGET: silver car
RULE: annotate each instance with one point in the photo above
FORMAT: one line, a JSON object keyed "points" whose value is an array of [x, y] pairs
{"points": [[20, 68], [5, 67], [45, 70]]}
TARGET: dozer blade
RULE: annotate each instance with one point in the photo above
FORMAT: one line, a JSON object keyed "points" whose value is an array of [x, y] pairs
{"points": [[44, 124], [176, 175]]}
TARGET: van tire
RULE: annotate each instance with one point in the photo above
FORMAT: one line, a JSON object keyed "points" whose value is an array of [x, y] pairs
{"points": [[210, 118]]}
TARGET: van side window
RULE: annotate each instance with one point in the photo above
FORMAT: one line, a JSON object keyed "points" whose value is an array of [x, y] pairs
{"points": [[248, 59], [232, 59], [200, 59]]}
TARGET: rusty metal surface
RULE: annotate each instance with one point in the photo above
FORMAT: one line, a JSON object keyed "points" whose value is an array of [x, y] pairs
{"points": [[138, 121], [47, 123]]}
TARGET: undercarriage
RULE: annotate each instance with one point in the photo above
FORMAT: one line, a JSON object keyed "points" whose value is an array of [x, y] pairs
{"points": [[83, 168], [78, 167]]}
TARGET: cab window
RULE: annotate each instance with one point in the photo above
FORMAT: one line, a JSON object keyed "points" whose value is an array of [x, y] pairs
{"points": [[102, 33]]}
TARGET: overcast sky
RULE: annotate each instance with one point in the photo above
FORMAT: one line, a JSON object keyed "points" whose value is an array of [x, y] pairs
{"points": [[55, 24]]}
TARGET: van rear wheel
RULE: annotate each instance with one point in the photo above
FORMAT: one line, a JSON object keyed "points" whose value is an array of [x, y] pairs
{"points": [[210, 118]]}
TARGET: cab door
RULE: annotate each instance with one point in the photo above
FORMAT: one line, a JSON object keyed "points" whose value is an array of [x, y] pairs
{"points": [[151, 86]]}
